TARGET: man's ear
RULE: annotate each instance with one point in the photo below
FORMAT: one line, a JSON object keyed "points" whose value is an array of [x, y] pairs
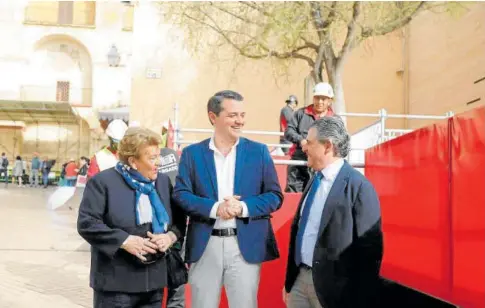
{"points": [[328, 146], [212, 117]]}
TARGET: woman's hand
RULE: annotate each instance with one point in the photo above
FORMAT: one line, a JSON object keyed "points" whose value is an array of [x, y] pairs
{"points": [[163, 241], [139, 246]]}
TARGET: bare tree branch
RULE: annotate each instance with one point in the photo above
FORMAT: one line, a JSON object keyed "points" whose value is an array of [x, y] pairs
{"points": [[255, 6], [239, 17], [325, 51], [243, 50], [351, 30], [331, 15], [393, 26], [309, 44]]}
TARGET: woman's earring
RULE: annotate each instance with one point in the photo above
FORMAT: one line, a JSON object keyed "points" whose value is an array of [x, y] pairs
{"points": [[134, 167]]}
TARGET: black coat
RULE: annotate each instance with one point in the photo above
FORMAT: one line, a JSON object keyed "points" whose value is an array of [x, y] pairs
{"points": [[349, 248], [106, 218]]}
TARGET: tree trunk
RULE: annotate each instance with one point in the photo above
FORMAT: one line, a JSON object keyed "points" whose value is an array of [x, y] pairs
{"points": [[334, 75]]}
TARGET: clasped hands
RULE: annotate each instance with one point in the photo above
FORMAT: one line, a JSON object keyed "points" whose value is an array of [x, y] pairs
{"points": [[139, 246], [230, 208]]}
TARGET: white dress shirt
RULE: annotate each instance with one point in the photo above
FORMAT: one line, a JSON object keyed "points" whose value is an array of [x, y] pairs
{"points": [[225, 171], [310, 235]]}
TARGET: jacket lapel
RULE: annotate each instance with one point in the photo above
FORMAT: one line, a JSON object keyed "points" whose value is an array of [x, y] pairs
{"points": [[335, 196], [240, 160], [210, 166], [303, 196]]}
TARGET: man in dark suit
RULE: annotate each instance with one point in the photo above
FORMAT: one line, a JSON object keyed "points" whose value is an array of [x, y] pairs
{"points": [[228, 186], [336, 238]]}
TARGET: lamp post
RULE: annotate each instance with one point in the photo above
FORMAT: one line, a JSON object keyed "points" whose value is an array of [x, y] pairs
{"points": [[113, 56]]}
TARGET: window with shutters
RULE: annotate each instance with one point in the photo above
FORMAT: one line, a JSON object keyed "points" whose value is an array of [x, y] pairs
{"points": [[65, 12]]}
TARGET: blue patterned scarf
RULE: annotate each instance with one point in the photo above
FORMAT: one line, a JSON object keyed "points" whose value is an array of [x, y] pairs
{"points": [[142, 185]]}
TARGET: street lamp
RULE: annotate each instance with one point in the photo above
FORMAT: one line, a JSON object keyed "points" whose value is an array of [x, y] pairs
{"points": [[113, 56]]}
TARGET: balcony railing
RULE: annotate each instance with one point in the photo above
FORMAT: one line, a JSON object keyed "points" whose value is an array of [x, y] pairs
{"points": [[72, 95]]}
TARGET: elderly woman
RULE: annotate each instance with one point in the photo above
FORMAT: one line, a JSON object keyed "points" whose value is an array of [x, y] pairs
{"points": [[128, 218]]}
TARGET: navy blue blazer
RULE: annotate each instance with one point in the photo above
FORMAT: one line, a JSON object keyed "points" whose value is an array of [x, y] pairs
{"points": [[349, 248], [255, 181], [106, 218]]}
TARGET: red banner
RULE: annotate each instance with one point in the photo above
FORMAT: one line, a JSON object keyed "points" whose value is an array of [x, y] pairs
{"points": [[431, 184], [468, 208]]}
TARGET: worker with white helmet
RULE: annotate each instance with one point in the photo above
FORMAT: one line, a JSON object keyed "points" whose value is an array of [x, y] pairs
{"points": [[107, 157], [297, 131]]}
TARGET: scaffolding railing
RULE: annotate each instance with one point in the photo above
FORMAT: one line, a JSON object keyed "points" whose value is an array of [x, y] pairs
{"points": [[384, 134]]}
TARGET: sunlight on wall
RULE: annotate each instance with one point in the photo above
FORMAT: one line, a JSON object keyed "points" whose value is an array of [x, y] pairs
{"points": [[46, 133]]}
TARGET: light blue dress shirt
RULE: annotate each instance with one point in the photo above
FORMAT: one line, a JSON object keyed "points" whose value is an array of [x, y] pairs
{"points": [[310, 235]]}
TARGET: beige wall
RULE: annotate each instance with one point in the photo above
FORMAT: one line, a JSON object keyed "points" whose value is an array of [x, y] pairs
{"points": [[446, 57], [11, 141], [372, 80]]}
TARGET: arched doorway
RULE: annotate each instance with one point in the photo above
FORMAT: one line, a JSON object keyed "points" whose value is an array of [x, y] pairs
{"points": [[60, 69]]}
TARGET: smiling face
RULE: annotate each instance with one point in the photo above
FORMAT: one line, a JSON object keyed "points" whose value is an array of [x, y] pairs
{"points": [[320, 154], [230, 121], [147, 161], [321, 103]]}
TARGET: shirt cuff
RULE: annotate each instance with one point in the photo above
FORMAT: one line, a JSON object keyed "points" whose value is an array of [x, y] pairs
{"points": [[213, 213], [124, 242], [244, 209]]}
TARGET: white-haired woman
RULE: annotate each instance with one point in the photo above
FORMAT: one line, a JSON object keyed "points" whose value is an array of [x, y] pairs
{"points": [[127, 216]]}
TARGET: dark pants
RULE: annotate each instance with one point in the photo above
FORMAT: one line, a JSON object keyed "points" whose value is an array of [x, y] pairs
{"points": [[297, 176], [152, 299]]}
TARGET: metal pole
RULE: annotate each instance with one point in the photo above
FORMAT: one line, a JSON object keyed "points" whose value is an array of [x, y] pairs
{"points": [[383, 115], [176, 125]]}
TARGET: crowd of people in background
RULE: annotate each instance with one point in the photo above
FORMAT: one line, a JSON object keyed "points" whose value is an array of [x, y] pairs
{"points": [[37, 172]]}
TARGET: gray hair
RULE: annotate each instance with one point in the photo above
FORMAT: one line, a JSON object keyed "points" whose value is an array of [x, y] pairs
{"points": [[215, 102], [333, 129]]}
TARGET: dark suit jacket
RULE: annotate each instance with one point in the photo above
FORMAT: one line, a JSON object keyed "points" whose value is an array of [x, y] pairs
{"points": [[255, 181], [349, 248], [106, 218]]}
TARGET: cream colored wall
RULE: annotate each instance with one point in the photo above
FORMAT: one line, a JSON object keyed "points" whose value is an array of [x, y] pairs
{"points": [[11, 141], [372, 80], [447, 55], [84, 12], [42, 11]]}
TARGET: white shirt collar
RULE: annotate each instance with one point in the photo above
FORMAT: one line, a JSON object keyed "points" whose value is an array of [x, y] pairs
{"points": [[212, 145], [331, 171]]}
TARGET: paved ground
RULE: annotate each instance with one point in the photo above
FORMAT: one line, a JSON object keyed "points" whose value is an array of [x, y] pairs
{"points": [[43, 261]]}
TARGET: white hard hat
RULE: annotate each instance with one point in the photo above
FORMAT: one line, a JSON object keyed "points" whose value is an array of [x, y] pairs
{"points": [[165, 124], [323, 89], [116, 129]]}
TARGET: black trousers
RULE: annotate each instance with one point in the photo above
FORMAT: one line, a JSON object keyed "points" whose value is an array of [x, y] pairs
{"points": [[297, 176], [152, 299]]}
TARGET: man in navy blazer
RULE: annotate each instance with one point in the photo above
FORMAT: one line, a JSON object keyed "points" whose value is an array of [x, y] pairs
{"points": [[336, 243], [229, 187]]}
